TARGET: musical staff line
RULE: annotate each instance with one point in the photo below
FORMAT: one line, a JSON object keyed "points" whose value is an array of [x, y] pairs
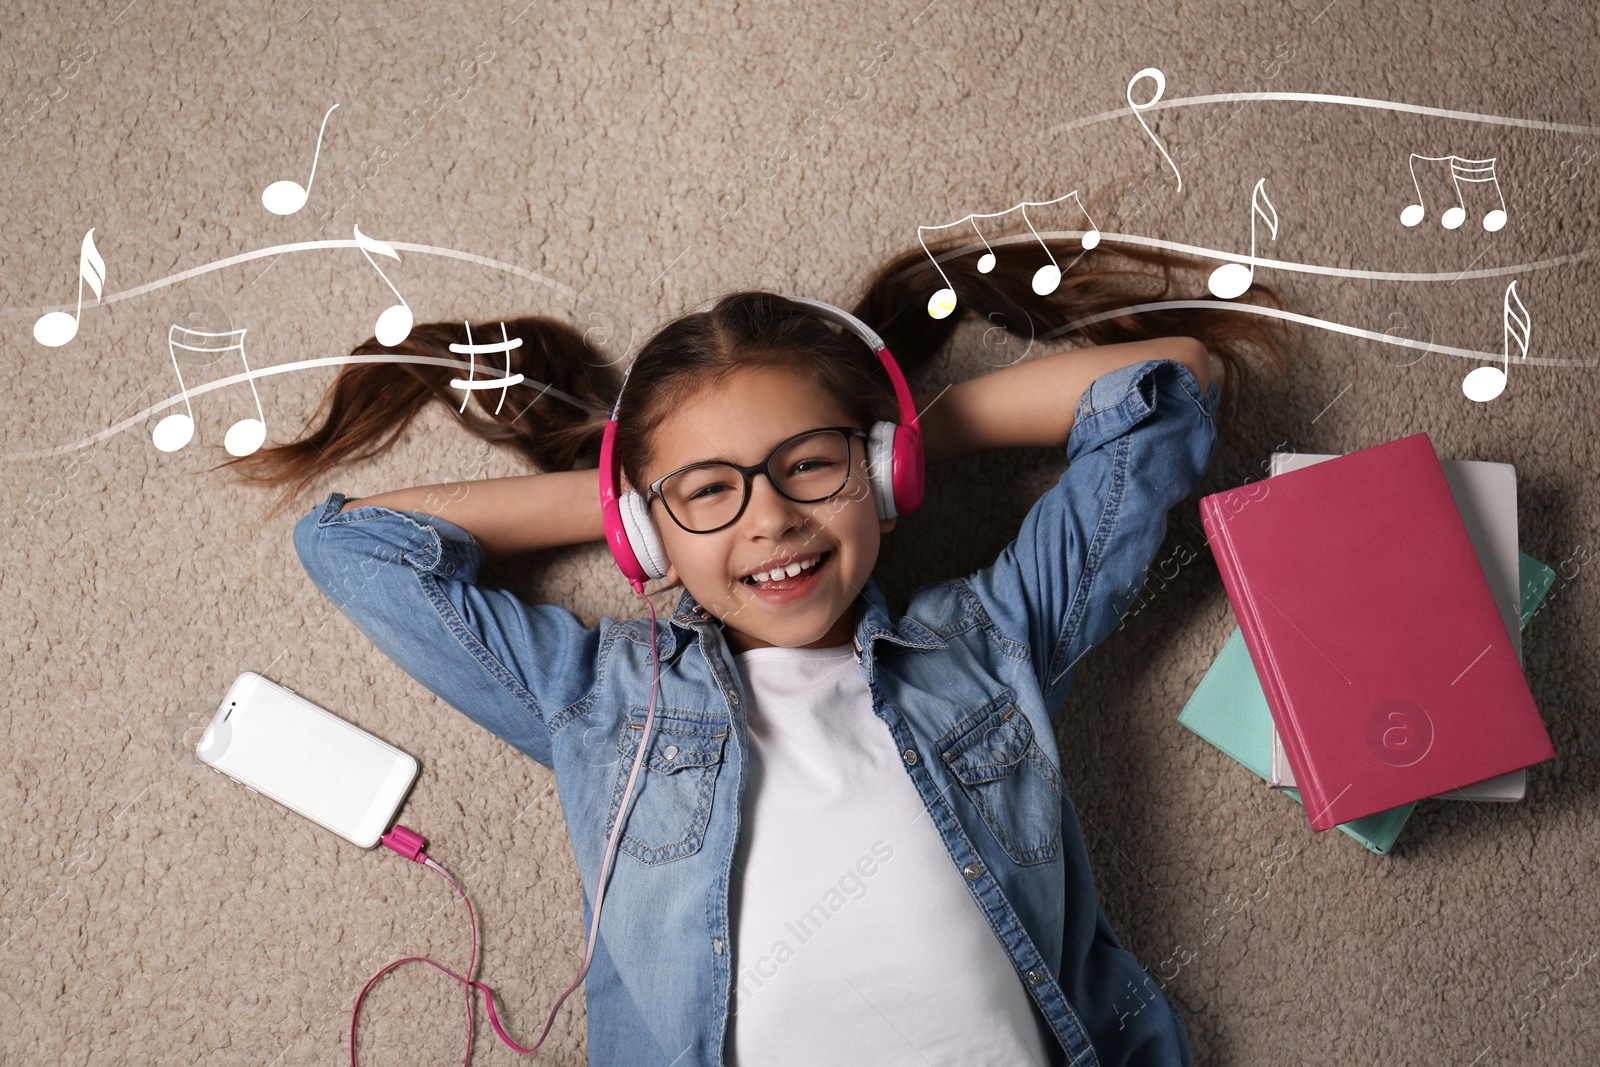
{"points": [[1329, 98], [304, 246], [282, 368], [1308, 320], [1276, 264]]}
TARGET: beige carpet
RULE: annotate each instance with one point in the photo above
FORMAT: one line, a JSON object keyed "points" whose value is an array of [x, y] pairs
{"points": [[155, 912]]}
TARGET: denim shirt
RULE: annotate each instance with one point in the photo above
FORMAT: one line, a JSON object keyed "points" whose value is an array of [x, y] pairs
{"points": [[966, 680]]}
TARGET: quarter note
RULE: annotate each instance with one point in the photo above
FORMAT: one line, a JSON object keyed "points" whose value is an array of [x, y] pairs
{"points": [[1161, 86], [56, 328], [175, 431], [470, 350], [1472, 171], [287, 197], [394, 325], [1232, 279], [1486, 383]]}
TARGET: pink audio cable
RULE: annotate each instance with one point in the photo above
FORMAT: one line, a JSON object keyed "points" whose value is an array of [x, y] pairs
{"points": [[410, 844]]}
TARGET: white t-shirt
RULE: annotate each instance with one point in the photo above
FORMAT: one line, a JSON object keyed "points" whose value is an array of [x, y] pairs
{"points": [[856, 938]]}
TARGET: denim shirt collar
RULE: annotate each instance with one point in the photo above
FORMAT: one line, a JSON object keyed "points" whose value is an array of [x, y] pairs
{"points": [[876, 622]]}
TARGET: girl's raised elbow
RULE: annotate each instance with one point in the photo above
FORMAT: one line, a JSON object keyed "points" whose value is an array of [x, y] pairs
{"points": [[1192, 353]]}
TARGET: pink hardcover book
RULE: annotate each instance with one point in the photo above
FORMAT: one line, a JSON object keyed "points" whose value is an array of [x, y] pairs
{"points": [[1379, 646]]}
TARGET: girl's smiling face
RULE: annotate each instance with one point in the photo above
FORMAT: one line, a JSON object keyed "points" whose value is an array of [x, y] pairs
{"points": [[740, 422]]}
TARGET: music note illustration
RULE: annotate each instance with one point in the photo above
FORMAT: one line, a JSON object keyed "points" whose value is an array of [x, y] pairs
{"points": [[175, 431], [394, 325], [1161, 86], [1486, 383], [1048, 277], [56, 328], [504, 383], [287, 197], [985, 261], [1472, 171], [1232, 279], [1045, 280]]}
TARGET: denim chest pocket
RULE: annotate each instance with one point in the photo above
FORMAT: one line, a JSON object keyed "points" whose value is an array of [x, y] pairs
{"points": [[1001, 769], [672, 796]]}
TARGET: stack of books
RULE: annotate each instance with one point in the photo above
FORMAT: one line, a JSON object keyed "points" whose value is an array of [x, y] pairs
{"points": [[1380, 597]]}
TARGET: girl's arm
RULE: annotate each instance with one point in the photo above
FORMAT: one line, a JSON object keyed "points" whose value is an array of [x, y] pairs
{"points": [[508, 516], [409, 583], [1139, 439], [1024, 405], [1032, 404]]}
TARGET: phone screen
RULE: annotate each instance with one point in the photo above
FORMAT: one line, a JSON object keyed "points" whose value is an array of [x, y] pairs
{"points": [[308, 759]]}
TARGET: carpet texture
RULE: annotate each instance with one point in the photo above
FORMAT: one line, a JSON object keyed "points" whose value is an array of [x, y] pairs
{"points": [[630, 162]]}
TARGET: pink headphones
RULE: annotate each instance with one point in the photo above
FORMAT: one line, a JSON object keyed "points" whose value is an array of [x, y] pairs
{"points": [[894, 465]]}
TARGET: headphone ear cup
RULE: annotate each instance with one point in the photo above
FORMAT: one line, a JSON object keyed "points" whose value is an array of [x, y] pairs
{"points": [[880, 467], [909, 469], [642, 534]]}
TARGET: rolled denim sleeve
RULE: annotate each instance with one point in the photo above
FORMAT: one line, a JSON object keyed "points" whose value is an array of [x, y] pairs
{"points": [[1141, 440], [408, 581]]}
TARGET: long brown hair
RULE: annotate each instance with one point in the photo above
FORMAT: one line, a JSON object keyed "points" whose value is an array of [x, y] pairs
{"points": [[369, 405]]}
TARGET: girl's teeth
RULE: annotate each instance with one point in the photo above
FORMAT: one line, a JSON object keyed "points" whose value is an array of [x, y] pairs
{"points": [[784, 572]]}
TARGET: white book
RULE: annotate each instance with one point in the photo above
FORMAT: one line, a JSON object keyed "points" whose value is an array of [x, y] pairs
{"points": [[1486, 495]]}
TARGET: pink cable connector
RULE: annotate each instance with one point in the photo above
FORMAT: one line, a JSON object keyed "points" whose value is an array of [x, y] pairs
{"points": [[408, 843]]}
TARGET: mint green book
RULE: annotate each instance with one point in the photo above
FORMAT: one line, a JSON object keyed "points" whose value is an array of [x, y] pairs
{"points": [[1229, 709]]}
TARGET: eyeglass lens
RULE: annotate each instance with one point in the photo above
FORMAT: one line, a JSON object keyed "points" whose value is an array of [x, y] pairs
{"points": [[808, 469]]}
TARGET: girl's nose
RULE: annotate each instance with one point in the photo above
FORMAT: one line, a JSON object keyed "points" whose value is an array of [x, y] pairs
{"points": [[768, 511]]}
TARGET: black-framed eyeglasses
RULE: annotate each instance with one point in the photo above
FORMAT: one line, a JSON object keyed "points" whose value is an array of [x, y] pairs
{"points": [[807, 468]]}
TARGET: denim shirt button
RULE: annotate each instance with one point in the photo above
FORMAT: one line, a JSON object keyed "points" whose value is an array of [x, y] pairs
{"points": [[449, 568], [971, 871], [733, 698], [910, 757], [669, 752], [1035, 977], [716, 945]]}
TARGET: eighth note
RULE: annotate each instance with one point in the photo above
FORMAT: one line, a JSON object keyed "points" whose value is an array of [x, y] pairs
{"points": [[1476, 171], [1232, 279], [287, 197], [1486, 383], [505, 382], [394, 325], [175, 431], [56, 328]]}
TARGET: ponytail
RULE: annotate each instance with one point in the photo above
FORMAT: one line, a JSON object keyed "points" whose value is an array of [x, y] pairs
{"points": [[1095, 283], [370, 405]]}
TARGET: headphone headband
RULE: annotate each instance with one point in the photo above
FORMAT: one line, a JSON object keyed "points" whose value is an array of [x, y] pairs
{"points": [[839, 316]]}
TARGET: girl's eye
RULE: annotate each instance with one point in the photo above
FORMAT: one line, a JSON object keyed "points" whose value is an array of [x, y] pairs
{"points": [[707, 492]]}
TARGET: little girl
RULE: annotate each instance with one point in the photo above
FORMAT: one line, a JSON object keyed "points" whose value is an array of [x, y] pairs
{"points": [[850, 841]]}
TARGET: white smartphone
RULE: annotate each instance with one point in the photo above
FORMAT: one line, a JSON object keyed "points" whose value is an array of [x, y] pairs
{"points": [[281, 745]]}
